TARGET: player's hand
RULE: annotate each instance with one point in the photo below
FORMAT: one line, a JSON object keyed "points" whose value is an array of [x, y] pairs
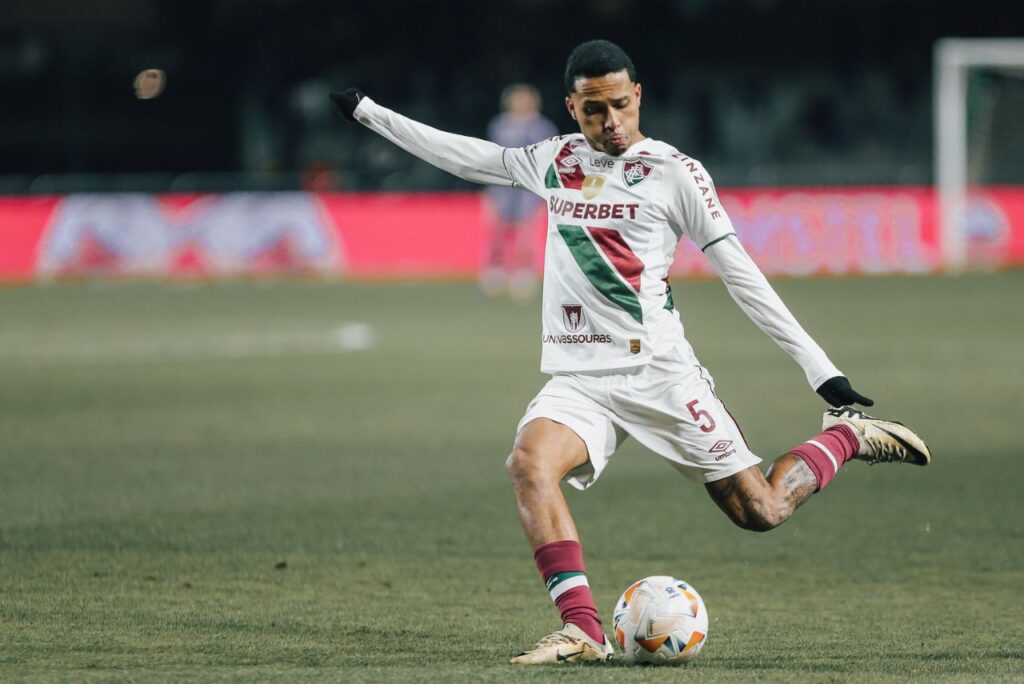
{"points": [[837, 391], [346, 101]]}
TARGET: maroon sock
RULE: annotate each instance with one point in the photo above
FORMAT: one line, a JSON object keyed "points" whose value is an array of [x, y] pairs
{"points": [[561, 565], [825, 453]]}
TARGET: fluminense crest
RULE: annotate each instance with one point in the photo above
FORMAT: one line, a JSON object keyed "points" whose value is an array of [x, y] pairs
{"points": [[636, 172]]}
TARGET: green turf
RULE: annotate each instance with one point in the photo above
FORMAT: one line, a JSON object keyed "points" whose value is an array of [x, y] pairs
{"points": [[194, 486]]}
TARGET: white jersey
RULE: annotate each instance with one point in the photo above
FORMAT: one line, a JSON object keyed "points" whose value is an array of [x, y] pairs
{"points": [[613, 227]]}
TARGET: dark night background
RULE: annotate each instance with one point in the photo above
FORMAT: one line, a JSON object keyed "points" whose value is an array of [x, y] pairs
{"points": [[764, 91]]}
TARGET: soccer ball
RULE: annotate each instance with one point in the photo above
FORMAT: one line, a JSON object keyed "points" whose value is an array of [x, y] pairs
{"points": [[660, 620]]}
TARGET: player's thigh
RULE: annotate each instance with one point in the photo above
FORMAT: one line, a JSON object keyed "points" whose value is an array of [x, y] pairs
{"points": [[547, 448], [566, 431]]}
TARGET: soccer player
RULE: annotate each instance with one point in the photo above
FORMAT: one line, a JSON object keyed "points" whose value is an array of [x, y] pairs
{"points": [[618, 202], [509, 260]]}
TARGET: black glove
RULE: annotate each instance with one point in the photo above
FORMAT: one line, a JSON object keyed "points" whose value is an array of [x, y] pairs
{"points": [[346, 101], [837, 391]]}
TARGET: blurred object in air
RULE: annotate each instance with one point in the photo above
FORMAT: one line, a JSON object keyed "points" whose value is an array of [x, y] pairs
{"points": [[149, 83]]}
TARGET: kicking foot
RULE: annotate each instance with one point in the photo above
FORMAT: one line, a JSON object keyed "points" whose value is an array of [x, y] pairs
{"points": [[568, 645], [881, 441]]}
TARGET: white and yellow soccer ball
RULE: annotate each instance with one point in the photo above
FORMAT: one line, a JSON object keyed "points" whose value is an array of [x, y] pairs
{"points": [[660, 620]]}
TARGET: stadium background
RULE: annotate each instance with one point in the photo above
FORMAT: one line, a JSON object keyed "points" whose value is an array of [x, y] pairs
{"points": [[253, 409]]}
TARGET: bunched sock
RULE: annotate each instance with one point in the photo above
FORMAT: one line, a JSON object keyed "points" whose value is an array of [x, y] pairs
{"points": [[561, 566], [826, 452]]}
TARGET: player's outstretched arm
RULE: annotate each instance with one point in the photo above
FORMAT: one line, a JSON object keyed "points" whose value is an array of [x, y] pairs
{"points": [[472, 159], [698, 212], [758, 299]]}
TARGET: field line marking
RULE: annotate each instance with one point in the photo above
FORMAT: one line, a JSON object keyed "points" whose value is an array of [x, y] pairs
{"points": [[161, 346]]}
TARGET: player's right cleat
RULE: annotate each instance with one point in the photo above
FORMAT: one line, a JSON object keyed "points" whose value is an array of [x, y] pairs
{"points": [[568, 645], [881, 441]]}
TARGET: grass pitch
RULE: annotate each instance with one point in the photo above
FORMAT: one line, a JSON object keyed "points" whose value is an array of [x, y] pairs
{"points": [[304, 481]]}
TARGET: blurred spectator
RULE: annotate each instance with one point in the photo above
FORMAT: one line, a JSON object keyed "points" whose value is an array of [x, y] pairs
{"points": [[768, 92], [508, 267]]}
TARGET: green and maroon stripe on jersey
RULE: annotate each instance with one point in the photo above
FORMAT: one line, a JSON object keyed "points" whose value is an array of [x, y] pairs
{"points": [[618, 252], [616, 275], [566, 171]]}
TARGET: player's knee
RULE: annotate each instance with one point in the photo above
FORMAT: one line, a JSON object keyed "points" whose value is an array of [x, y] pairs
{"points": [[758, 519], [749, 504], [520, 466], [759, 523], [524, 466]]}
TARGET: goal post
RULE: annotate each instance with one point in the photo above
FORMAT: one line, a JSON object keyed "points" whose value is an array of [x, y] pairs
{"points": [[954, 60]]}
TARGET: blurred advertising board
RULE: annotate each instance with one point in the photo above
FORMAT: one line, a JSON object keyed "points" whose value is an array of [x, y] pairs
{"points": [[829, 231], [791, 232]]}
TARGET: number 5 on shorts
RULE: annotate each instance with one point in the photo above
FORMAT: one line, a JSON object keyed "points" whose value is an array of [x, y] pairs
{"points": [[701, 413]]}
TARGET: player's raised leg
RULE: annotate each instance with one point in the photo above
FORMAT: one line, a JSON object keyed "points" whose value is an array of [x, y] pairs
{"points": [[760, 502], [544, 453]]}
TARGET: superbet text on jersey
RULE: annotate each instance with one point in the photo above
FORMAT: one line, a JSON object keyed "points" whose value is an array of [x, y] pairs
{"points": [[613, 227]]}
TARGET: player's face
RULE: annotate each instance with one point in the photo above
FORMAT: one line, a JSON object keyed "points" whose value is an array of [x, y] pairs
{"points": [[608, 111]]}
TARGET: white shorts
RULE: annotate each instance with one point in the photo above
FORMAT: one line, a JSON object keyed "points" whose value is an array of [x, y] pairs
{"points": [[668, 405]]}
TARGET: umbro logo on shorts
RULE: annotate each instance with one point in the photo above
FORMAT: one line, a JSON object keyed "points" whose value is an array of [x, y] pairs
{"points": [[723, 448]]}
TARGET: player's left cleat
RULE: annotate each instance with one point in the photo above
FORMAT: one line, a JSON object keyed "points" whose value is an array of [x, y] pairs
{"points": [[881, 441], [568, 645]]}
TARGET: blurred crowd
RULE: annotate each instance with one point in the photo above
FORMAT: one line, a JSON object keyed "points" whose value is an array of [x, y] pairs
{"points": [[763, 91]]}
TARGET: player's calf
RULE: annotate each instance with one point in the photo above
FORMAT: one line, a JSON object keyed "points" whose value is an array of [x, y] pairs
{"points": [[544, 452], [758, 502], [762, 502]]}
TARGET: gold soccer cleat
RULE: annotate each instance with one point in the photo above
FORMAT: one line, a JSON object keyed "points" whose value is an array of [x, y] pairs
{"points": [[881, 441], [568, 645]]}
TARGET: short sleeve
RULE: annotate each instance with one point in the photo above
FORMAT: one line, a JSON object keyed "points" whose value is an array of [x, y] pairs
{"points": [[696, 210], [528, 166]]}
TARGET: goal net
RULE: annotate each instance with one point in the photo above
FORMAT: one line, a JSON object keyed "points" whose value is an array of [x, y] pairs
{"points": [[979, 144]]}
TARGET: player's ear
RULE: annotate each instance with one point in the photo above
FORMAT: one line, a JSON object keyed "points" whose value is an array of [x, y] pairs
{"points": [[638, 90], [571, 107]]}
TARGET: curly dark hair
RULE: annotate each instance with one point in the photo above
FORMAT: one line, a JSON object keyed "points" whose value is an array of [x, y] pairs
{"points": [[596, 58]]}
